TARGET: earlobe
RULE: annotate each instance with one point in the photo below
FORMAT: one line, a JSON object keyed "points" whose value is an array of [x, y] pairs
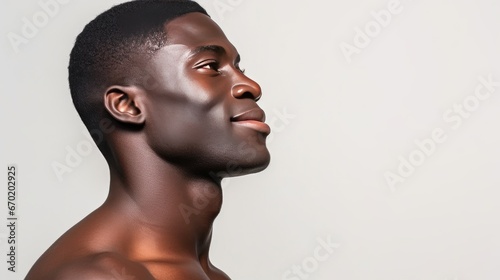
{"points": [[124, 104]]}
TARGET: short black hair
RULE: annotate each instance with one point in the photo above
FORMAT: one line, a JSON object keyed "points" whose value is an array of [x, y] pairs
{"points": [[111, 43]]}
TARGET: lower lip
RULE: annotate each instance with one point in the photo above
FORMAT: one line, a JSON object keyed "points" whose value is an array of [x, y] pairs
{"points": [[255, 125]]}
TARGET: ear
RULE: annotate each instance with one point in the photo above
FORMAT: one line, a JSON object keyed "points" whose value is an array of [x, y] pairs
{"points": [[124, 103]]}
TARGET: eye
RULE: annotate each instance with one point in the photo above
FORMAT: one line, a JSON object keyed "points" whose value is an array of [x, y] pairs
{"points": [[213, 65]]}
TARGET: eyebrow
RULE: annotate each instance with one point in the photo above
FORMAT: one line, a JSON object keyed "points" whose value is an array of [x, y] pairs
{"points": [[211, 48]]}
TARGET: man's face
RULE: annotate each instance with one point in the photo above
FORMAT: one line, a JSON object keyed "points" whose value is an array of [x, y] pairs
{"points": [[201, 110]]}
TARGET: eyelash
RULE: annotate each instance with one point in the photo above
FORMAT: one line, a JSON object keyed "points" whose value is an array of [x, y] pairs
{"points": [[215, 66], [212, 65]]}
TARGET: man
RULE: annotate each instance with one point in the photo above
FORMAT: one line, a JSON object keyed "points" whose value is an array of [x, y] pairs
{"points": [[163, 83]]}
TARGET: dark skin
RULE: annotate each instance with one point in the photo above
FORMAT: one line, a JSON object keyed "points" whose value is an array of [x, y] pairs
{"points": [[197, 122]]}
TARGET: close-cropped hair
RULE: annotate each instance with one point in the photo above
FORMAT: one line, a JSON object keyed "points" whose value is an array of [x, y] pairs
{"points": [[111, 44]]}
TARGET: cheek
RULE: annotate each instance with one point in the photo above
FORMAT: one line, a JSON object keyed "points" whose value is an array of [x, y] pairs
{"points": [[191, 117], [187, 127]]}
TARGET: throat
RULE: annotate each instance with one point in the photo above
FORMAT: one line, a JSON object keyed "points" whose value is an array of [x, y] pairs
{"points": [[165, 221]]}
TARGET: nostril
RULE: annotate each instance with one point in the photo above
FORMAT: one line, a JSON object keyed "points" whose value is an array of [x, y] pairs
{"points": [[247, 95], [246, 90]]}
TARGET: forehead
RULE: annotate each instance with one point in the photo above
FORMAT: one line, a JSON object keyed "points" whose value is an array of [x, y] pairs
{"points": [[194, 30]]}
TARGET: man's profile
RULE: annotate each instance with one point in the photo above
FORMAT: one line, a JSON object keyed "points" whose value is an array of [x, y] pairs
{"points": [[184, 115]]}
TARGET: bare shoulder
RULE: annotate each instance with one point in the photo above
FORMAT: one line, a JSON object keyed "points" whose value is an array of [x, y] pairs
{"points": [[111, 266], [105, 266]]}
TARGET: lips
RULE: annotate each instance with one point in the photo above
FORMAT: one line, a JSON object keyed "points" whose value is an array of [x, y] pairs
{"points": [[253, 119]]}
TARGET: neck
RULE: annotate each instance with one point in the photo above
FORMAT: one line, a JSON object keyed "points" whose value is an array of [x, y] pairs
{"points": [[169, 212]]}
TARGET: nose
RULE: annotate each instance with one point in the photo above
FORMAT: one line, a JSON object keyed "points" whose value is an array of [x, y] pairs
{"points": [[247, 89]]}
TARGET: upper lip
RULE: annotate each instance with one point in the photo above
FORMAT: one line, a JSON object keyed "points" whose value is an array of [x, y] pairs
{"points": [[255, 114]]}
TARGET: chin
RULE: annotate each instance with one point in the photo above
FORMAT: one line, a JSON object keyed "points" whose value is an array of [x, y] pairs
{"points": [[240, 164], [255, 163]]}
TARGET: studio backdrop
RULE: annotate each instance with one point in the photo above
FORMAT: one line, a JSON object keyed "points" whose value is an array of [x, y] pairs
{"points": [[385, 144]]}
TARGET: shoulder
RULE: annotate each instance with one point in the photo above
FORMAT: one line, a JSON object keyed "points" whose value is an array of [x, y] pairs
{"points": [[102, 266]]}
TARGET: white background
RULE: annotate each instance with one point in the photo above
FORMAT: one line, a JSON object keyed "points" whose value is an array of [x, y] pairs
{"points": [[351, 124]]}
